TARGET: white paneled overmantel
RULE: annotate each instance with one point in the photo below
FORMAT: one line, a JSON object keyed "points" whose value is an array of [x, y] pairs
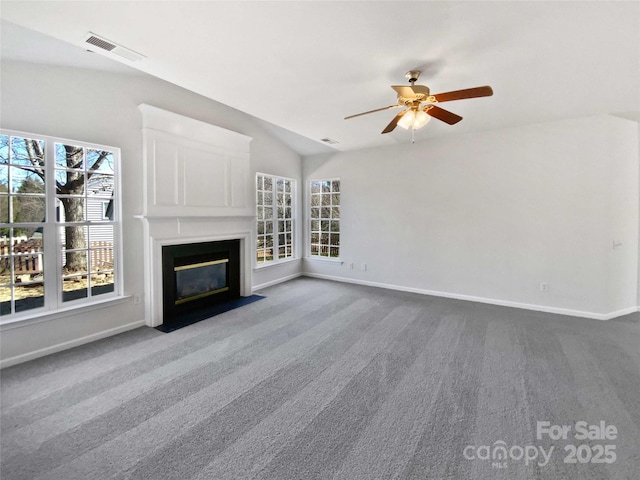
{"points": [[192, 168], [197, 188]]}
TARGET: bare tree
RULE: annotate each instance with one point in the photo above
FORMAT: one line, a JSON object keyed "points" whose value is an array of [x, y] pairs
{"points": [[73, 184]]}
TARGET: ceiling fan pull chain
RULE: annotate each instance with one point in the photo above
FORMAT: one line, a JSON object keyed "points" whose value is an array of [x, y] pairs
{"points": [[413, 134]]}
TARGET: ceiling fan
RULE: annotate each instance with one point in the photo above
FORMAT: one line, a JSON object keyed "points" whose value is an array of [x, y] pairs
{"points": [[418, 104]]}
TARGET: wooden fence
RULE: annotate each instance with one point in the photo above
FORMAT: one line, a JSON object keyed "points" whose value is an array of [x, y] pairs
{"points": [[28, 256], [101, 255]]}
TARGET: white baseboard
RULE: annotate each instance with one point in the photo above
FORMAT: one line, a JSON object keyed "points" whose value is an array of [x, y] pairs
{"points": [[490, 301], [275, 282], [620, 313], [7, 362]]}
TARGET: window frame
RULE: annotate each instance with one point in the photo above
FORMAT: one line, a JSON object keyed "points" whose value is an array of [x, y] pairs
{"points": [[310, 219], [54, 303], [276, 228]]}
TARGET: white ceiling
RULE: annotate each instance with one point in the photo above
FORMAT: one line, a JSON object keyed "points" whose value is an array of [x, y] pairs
{"points": [[305, 65]]}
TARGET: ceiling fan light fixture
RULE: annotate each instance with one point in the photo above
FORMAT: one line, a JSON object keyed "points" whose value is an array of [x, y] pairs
{"points": [[414, 119], [421, 119], [407, 119]]}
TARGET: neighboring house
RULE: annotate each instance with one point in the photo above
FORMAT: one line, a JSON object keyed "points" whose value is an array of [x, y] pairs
{"points": [[99, 208]]}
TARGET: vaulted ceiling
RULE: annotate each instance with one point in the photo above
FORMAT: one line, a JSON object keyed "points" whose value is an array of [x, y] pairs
{"points": [[304, 65]]}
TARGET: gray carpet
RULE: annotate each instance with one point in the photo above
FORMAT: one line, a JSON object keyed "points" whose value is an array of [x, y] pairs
{"points": [[322, 380]]}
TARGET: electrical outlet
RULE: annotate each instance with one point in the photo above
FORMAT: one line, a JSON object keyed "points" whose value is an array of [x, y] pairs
{"points": [[364, 267], [351, 265], [137, 299], [544, 287]]}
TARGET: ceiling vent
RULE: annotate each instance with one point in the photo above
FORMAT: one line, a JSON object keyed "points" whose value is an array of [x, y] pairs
{"points": [[329, 141], [108, 46]]}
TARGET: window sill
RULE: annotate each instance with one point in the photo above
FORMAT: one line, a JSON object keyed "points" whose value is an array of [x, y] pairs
{"points": [[44, 316], [273, 263], [324, 259]]}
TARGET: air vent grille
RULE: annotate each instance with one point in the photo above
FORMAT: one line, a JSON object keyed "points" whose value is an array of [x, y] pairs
{"points": [[113, 48], [99, 42]]}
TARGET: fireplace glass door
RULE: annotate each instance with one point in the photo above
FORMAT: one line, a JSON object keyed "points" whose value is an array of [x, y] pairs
{"points": [[200, 280], [197, 276]]}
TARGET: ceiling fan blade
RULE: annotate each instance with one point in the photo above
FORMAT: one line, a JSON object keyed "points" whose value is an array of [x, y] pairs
{"points": [[394, 122], [442, 114], [485, 91], [373, 111]]}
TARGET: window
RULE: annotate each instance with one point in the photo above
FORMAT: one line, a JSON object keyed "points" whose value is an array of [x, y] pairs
{"points": [[58, 223], [275, 199], [325, 218], [107, 210]]}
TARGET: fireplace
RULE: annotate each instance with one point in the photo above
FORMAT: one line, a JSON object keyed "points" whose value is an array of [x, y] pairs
{"points": [[197, 192], [197, 277]]}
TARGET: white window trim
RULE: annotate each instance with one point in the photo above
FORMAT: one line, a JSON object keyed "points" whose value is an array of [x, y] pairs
{"points": [[295, 243], [307, 223], [66, 311], [53, 303]]}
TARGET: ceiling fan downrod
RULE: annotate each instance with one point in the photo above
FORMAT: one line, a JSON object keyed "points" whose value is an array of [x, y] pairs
{"points": [[412, 76]]}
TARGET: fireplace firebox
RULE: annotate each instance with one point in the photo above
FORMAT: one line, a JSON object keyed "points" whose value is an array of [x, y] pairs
{"points": [[197, 277]]}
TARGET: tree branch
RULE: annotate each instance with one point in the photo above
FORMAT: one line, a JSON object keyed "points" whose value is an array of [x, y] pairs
{"points": [[97, 163], [36, 157]]}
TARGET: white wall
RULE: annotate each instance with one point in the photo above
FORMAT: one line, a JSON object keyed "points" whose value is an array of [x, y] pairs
{"points": [[491, 215], [638, 277], [622, 261], [102, 108]]}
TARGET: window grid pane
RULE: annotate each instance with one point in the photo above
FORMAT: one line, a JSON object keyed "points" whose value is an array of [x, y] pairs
{"points": [[30, 209], [21, 272], [325, 218], [274, 210], [22, 215], [86, 197]]}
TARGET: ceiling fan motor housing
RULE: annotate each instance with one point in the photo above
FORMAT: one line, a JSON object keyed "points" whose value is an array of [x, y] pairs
{"points": [[407, 95]]}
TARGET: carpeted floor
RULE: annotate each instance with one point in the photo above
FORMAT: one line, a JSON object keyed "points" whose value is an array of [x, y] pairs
{"points": [[323, 380]]}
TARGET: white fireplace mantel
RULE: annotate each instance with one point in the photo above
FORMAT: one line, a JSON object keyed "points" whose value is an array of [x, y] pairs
{"points": [[197, 188], [163, 231]]}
